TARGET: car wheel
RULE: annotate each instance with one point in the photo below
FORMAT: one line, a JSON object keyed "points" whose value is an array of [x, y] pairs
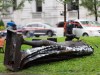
{"points": [[28, 34], [50, 33], [85, 35], [37, 35]]}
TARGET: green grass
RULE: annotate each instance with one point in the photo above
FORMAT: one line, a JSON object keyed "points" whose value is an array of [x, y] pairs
{"points": [[87, 65]]}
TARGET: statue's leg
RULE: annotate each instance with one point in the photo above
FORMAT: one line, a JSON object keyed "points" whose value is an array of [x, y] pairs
{"points": [[39, 43]]}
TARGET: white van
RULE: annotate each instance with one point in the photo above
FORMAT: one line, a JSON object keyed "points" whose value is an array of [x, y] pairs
{"points": [[86, 28]]}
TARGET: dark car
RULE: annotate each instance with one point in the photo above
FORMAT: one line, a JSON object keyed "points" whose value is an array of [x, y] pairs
{"points": [[61, 23]]}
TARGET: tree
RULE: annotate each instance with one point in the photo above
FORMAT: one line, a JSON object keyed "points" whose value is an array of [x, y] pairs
{"points": [[6, 4], [2, 26], [93, 6]]}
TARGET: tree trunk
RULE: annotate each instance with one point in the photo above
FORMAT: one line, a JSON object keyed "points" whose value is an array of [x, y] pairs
{"points": [[95, 10], [78, 10], [64, 19]]}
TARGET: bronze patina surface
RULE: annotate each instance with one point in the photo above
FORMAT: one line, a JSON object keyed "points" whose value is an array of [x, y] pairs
{"points": [[43, 50]]}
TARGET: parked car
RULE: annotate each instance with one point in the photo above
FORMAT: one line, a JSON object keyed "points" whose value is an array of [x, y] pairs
{"points": [[86, 28], [37, 29], [60, 24], [82, 27]]}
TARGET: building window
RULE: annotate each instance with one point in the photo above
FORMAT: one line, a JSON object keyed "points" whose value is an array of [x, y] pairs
{"points": [[73, 5], [39, 5], [14, 4]]}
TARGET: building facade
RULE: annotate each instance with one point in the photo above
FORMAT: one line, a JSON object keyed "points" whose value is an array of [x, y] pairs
{"points": [[49, 11]]}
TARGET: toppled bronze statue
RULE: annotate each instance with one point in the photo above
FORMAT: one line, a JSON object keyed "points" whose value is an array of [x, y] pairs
{"points": [[43, 50]]}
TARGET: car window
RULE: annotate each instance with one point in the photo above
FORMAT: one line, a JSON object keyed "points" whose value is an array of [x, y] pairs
{"points": [[95, 23], [29, 26], [32, 25], [39, 25], [47, 26], [85, 22], [90, 23], [77, 25], [60, 24]]}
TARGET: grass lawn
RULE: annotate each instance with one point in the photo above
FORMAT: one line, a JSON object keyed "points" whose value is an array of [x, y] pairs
{"points": [[87, 65]]}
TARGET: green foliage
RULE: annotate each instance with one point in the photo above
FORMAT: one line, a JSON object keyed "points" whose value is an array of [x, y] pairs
{"points": [[90, 5], [5, 4], [2, 26], [1, 23], [64, 1], [21, 5]]}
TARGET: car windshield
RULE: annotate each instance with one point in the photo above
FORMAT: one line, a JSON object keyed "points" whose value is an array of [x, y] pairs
{"points": [[90, 23], [47, 25]]}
